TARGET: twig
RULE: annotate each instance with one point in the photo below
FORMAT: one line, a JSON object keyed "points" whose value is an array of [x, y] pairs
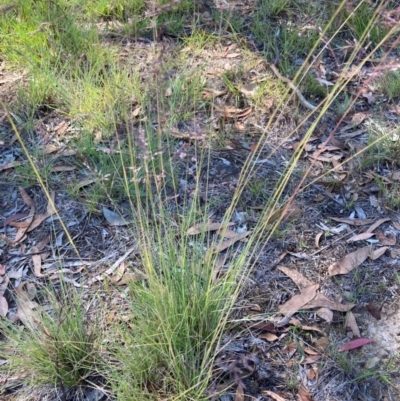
{"points": [[291, 85], [115, 266]]}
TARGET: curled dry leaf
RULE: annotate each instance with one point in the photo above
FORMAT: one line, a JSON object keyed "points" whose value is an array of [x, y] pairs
{"points": [[326, 314], [318, 237]]}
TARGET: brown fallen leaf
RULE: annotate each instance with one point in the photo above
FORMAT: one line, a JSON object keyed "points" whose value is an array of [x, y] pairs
{"points": [[239, 396], [290, 348], [349, 262], [374, 311], [322, 301], [303, 394], [268, 336], [378, 253], [297, 277], [298, 301], [62, 167], [377, 224], [13, 218], [386, 239], [3, 306], [352, 324], [228, 243], [311, 359], [273, 395], [297, 323], [26, 306], [317, 238], [360, 237], [209, 226], [326, 314]]}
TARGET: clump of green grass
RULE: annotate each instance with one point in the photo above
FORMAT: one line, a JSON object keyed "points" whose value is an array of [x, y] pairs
{"points": [[59, 344], [390, 84]]}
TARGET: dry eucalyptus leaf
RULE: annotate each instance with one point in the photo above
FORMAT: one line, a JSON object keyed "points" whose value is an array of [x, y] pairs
{"points": [[273, 395], [349, 262], [312, 359], [270, 337], [377, 224], [325, 313], [352, 324], [209, 226], [378, 253], [228, 243], [239, 396], [297, 277], [360, 237], [26, 198], [353, 222], [298, 301], [26, 307], [3, 306], [389, 239], [304, 394], [318, 237], [322, 301]]}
